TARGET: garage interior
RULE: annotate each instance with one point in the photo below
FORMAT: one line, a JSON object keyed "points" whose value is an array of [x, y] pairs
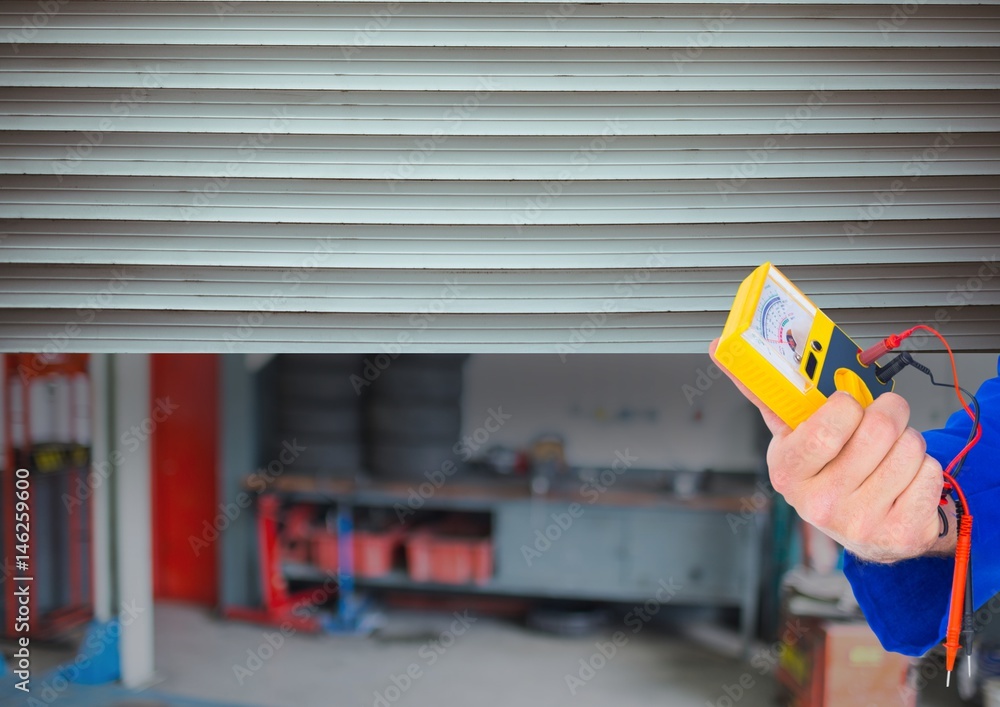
{"points": [[543, 508], [357, 351]]}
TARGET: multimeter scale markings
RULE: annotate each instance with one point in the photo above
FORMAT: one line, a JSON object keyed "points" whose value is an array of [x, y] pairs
{"points": [[782, 327], [775, 325]]}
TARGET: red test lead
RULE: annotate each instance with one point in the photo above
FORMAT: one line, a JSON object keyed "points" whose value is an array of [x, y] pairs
{"points": [[963, 549]]}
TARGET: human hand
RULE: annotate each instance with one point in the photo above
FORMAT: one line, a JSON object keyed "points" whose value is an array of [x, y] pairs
{"points": [[860, 475]]}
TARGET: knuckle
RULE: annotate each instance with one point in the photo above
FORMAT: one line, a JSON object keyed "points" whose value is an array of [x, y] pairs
{"points": [[854, 530], [930, 474], [859, 528], [780, 479], [827, 442], [912, 532], [912, 444], [822, 443], [783, 461], [931, 481], [900, 541], [881, 426], [899, 544], [818, 509]]}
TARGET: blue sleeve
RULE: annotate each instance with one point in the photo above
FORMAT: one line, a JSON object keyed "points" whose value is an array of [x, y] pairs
{"points": [[906, 603]]}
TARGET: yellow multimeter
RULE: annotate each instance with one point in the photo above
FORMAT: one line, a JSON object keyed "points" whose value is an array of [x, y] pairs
{"points": [[788, 352]]}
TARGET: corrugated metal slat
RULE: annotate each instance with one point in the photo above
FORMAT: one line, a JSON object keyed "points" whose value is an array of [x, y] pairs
{"points": [[465, 292], [969, 329], [485, 70], [495, 158], [740, 246], [388, 113]]}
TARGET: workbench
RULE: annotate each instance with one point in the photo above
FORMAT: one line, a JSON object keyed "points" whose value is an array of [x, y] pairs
{"points": [[621, 546]]}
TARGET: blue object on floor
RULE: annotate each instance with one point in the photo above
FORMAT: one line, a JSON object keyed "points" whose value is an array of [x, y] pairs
{"points": [[3, 667], [99, 659], [354, 615]]}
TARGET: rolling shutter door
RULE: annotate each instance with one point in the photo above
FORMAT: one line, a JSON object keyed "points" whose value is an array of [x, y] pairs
{"points": [[505, 177]]}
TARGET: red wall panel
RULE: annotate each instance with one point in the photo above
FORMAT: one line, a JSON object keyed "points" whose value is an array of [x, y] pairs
{"points": [[185, 478]]}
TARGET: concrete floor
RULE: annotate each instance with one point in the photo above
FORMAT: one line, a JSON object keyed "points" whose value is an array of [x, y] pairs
{"points": [[492, 664], [484, 662]]}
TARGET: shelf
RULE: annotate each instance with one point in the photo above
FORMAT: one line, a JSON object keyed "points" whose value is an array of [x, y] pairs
{"points": [[727, 495], [397, 579]]}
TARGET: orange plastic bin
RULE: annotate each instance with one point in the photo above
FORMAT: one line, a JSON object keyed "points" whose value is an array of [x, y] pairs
{"points": [[325, 550], [374, 552], [418, 556], [449, 559]]}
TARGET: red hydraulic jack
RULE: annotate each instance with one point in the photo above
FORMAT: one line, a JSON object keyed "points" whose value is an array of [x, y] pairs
{"points": [[280, 606]]}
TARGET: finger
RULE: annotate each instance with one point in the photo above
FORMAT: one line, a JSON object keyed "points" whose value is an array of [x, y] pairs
{"points": [[894, 474], [916, 508], [877, 441], [807, 449], [923, 493], [771, 419]]}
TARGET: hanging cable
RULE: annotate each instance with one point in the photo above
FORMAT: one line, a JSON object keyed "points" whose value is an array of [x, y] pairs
{"points": [[961, 628]]}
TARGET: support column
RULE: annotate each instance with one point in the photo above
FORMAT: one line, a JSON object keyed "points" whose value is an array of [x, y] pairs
{"points": [[133, 515]]}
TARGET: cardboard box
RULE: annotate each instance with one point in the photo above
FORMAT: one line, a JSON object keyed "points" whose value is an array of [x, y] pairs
{"points": [[841, 664]]}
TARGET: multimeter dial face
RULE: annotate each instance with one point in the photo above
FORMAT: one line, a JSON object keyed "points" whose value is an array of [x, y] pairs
{"points": [[781, 325]]}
